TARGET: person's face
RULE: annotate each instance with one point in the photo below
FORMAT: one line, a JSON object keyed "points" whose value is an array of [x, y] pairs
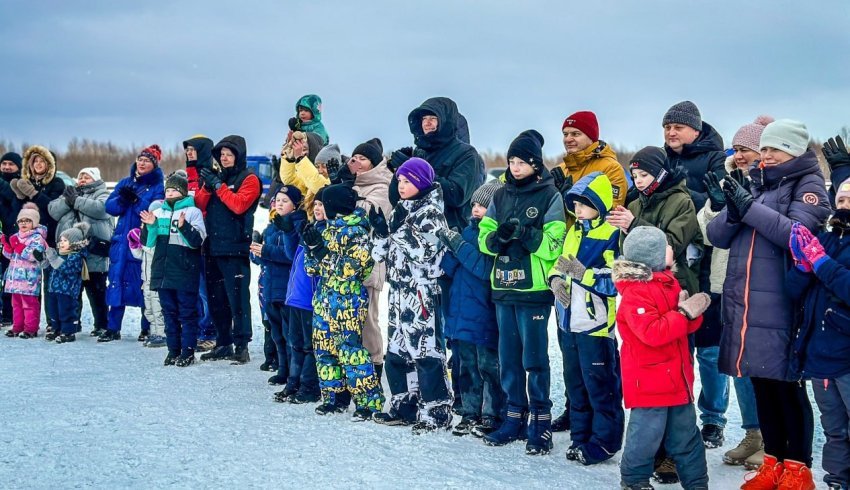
{"points": [[228, 159], [359, 163], [191, 154], [24, 225], [8, 167], [585, 212], [744, 157], [678, 135], [843, 202], [172, 193], [772, 156], [64, 245], [519, 168], [283, 205], [304, 114], [642, 179], [84, 179], [323, 170], [669, 258], [319, 211], [430, 123], [144, 165], [478, 211], [38, 165], [406, 190], [575, 140]]}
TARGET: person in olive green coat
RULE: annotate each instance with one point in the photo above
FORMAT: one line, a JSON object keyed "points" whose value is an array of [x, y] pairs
{"points": [[666, 204]]}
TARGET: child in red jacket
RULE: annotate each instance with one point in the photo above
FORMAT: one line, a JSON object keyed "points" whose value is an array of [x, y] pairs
{"points": [[655, 318]]}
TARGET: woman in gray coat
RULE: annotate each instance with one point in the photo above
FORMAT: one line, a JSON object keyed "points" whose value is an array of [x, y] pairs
{"points": [[85, 202]]}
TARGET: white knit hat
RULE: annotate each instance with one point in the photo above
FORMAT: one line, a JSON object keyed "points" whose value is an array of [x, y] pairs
{"points": [[92, 172], [786, 135]]}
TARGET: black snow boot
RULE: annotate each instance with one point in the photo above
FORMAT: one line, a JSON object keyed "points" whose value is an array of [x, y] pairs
{"points": [[65, 338], [241, 355], [171, 359], [466, 425], [539, 433], [329, 408], [109, 336], [562, 422], [219, 353]]}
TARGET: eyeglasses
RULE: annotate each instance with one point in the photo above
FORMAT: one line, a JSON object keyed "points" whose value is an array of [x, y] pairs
{"points": [[144, 160], [24, 220]]}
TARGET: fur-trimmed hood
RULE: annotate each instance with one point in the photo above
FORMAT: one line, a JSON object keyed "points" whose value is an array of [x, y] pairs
{"points": [[44, 153], [626, 270]]}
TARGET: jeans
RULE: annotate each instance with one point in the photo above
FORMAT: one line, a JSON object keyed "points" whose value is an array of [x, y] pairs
{"points": [[482, 394], [746, 403], [205, 324], [229, 296], [833, 399], [674, 428], [714, 395], [181, 320], [524, 356]]}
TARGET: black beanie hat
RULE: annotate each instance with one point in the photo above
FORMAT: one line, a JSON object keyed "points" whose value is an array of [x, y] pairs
{"points": [[372, 149], [652, 160], [338, 200], [12, 157], [528, 146]]}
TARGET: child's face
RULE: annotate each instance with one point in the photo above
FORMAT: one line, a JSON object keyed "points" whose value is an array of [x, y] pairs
{"points": [[24, 225], [304, 114], [406, 190], [478, 211], [172, 193], [64, 245], [669, 257], [319, 211], [585, 212], [843, 202], [642, 178], [520, 169], [283, 205]]}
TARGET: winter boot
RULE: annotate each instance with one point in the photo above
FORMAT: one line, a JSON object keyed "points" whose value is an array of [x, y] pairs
{"points": [[637, 486], [329, 408], [27, 335], [109, 336], [284, 395], [465, 426], [767, 477], [97, 332], [591, 453], [797, 476], [51, 335], [220, 353], [267, 366], [712, 436], [573, 453], [755, 461], [487, 426], [514, 428], [187, 358], [205, 345], [241, 355], [362, 414], [665, 472], [390, 419], [437, 418], [171, 359], [65, 338], [562, 423], [11, 333], [155, 341], [749, 445], [278, 380], [539, 433], [303, 397], [143, 336]]}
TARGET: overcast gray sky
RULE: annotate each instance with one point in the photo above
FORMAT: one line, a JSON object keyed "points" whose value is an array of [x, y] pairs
{"points": [[159, 71]]}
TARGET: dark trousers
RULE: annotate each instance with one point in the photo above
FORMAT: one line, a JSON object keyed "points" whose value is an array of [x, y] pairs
{"points": [[833, 398], [45, 296], [115, 317], [63, 309], [205, 323], [181, 320], [95, 289], [302, 361], [269, 349], [786, 419], [523, 353], [482, 394], [592, 367], [229, 298], [278, 314]]}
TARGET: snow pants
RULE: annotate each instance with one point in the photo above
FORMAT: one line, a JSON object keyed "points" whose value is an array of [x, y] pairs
{"points": [[153, 310], [63, 309], [181, 320], [26, 313], [833, 399], [229, 296], [278, 314], [523, 355], [482, 395], [302, 361]]}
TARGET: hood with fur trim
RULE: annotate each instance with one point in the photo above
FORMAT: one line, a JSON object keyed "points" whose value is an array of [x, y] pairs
{"points": [[26, 173], [626, 270]]}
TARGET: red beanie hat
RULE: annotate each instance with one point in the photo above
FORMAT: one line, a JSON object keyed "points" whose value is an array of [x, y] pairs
{"points": [[154, 153], [584, 121]]}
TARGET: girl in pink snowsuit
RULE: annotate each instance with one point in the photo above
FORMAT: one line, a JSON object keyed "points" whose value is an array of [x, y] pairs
{"points": [[25, 249]]}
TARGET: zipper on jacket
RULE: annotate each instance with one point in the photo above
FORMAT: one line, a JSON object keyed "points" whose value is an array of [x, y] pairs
{"points": [[746, 305]]}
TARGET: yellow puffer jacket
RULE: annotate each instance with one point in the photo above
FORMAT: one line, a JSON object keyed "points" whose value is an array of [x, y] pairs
{"points": [[305, 177], [598, 157]]}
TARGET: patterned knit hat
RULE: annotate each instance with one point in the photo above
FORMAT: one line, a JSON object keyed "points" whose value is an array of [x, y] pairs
{"points": [[686, 113], [750, 134], [484, 194], [30, 212], [584, 121], [154, 153], [76, 235], [843, 190], [178, 181]]}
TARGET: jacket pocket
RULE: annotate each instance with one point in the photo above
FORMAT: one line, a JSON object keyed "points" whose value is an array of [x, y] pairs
{"points": [[513, 273], [656, 379], [838, 320]]}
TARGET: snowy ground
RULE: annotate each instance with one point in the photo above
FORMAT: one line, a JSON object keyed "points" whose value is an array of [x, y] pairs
{"points": [[111, 416]]}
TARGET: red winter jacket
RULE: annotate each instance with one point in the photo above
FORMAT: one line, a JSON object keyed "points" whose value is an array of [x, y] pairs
{"points": [[657, 367]]}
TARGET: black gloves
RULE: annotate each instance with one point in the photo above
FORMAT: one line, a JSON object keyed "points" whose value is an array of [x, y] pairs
{"points": [[738, 200], [211, 180], [715, 191], [835, 153], [128, 195], [344, 175], [399, 215], [740, 177], [284, 223], [379, 223], [294, 124], [508, 231], [398, 157], [563, 182], [38, 255], [257, 237], [70, 195], [311, 237], [450, 238], [333, 168]]}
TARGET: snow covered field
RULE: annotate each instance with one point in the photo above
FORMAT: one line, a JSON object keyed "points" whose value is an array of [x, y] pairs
{"points": [[111, 416]]}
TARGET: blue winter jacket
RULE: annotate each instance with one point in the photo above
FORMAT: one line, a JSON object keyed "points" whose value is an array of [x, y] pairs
{"points": [[822, 345], [277, 262], [470, 315], [68, 278], [125, 271], [302, 286]]}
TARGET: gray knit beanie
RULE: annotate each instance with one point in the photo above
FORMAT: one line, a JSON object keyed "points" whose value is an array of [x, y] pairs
{"points": [[686, 113], [646, 245], [786, 135], [76, 234], [327, 153], [484, 194]]}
